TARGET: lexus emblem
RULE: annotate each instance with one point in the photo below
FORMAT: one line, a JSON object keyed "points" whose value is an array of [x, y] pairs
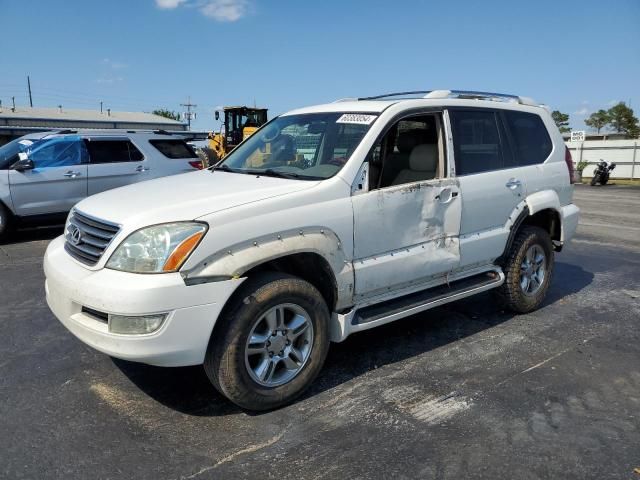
{"points": [[75, 235]]}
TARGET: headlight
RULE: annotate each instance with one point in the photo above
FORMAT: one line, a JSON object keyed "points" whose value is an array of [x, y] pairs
{"points": [[158, 249]]}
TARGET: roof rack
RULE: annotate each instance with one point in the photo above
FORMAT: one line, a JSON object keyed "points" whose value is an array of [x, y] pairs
{"points": [[396, 94], [463, 94]]}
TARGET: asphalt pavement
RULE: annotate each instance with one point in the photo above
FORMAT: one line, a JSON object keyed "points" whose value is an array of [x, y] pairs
{"points": [[462, 391]]}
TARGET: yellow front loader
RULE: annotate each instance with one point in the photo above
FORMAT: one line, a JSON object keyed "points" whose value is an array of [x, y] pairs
{"points": [[239, 123]]}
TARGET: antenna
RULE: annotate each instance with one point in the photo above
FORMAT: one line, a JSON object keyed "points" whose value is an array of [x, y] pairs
{"points": [[188, 114], [29, 88]]}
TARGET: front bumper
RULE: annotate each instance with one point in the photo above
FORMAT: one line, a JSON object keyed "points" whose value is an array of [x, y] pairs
{"points": [[181, 340]]}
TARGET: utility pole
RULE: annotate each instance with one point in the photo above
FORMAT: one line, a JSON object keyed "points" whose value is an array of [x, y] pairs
{"points": [[188, 114], [100, 107], [29, 88], [13, 101]]}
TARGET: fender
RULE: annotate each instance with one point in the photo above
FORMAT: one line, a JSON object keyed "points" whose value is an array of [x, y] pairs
{"points": [[534, 203], [545, 199], [234, 261]]}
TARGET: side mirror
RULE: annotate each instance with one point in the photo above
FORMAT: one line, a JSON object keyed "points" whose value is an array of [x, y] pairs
{"points": [[217, 115], [23, 164]]}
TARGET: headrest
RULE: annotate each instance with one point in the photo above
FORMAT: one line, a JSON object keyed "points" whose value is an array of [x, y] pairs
{"points": [[407, 140], [424, 158]]}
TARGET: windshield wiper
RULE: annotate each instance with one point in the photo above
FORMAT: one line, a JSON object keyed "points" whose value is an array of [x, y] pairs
{"points": [[270, 172], [226, 168]]}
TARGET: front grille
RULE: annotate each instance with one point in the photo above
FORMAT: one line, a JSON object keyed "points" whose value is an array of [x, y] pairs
{"points": [[87, 238]]}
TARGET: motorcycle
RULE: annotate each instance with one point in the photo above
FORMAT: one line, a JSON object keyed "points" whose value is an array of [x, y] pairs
{"points": [[602, 172]]}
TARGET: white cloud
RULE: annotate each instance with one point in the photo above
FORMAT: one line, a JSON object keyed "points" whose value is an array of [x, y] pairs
{"points": [[225, 10], [109, 80], [219, 10], [582, 111], [169, 4], [113, 64], [611, 103]]}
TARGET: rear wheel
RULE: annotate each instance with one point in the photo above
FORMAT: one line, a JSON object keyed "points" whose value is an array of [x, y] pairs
{"points": [[271, 343], [5, 222], [528, 270]]}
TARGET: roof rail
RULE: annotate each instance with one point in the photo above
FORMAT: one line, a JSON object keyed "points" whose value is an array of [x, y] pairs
{"points": [[396, 94], [348, 99], [471, 94], [465, 94]]}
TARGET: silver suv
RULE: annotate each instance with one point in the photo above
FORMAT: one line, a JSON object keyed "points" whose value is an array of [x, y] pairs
{"points": [[43, 175]]}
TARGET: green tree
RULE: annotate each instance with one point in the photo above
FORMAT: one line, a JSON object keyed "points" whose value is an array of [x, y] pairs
{"points": [[163, 112], [621, 119], [598, 120], [562, 120]]}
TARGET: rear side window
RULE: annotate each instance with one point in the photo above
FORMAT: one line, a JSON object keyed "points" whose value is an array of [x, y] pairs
{"points": [[174, 148], [476, 141], [529, 137], [113, 151]]}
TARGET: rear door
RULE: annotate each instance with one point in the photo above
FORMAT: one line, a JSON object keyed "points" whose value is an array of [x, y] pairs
{"points": [[58, 181], [114, 162], [491, 185]]}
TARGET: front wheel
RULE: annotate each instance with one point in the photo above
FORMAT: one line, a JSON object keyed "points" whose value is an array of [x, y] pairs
{"points": [[271, 343], [595, 179], [604, 179], [528, 270]]}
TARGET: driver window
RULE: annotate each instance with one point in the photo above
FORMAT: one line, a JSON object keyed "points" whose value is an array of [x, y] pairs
{"points": [[59, 152], [411, 151]]}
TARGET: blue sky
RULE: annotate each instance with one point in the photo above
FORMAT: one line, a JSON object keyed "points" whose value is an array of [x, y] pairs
{"points": [[145, 54]]}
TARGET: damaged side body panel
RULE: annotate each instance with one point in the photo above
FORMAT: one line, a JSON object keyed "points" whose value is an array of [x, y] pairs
{"points": [[405, 235]]}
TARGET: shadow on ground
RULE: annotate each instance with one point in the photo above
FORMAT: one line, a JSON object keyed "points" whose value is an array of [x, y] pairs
{"points": [[33, 234], [188, 390]]}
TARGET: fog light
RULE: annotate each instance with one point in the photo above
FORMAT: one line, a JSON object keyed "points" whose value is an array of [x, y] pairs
{"points": [[130, 325]]}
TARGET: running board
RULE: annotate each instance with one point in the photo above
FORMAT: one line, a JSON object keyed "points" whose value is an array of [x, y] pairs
{"points": [[407, 305]]}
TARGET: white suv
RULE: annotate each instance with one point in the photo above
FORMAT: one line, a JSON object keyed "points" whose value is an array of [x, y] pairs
{"points": [[329, 220], [42, 175]]}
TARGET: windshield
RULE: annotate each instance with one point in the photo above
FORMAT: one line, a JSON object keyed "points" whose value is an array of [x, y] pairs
{"points": [[309, 147], [9, 152]]}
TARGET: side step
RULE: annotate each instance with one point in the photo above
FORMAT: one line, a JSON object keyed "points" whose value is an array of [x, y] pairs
{"points": [[413, 303]]}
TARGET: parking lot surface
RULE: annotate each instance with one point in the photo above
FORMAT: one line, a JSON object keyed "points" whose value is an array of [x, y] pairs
{"points": [[462, 391]]}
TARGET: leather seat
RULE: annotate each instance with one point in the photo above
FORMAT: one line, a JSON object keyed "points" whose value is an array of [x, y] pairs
{"points": [[398, 161], [423, 165]]}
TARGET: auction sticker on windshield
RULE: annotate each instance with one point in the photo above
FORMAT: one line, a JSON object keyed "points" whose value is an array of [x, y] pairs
{"points": [[357, 118]]}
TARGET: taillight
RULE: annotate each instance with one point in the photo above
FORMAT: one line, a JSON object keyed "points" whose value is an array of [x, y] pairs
{"points": [[197, 165], [569, 161]]}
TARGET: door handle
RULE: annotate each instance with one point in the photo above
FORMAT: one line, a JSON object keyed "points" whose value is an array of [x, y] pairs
{"points": [[141, 168], [513, 183], [446, 195], [72, 174]]}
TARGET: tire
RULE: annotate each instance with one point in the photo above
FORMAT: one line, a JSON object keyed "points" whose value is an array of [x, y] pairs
{"points": [[5, 222], [528, 242], [604, 180], [236, 370], [595, 179]]}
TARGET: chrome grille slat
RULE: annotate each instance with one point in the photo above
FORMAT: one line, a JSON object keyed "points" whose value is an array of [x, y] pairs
{"points": [[96, 232], [92, 237], [94, 223]]}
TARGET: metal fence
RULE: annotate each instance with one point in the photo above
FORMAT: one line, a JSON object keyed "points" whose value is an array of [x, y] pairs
{"points": [[623, 152]]}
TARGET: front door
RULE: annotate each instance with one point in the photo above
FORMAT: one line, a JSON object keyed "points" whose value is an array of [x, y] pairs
{"points": [[58, 181], [406, 223]]}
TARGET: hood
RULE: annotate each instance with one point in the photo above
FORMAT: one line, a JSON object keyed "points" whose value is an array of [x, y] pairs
{"points": [[185, 197]]}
